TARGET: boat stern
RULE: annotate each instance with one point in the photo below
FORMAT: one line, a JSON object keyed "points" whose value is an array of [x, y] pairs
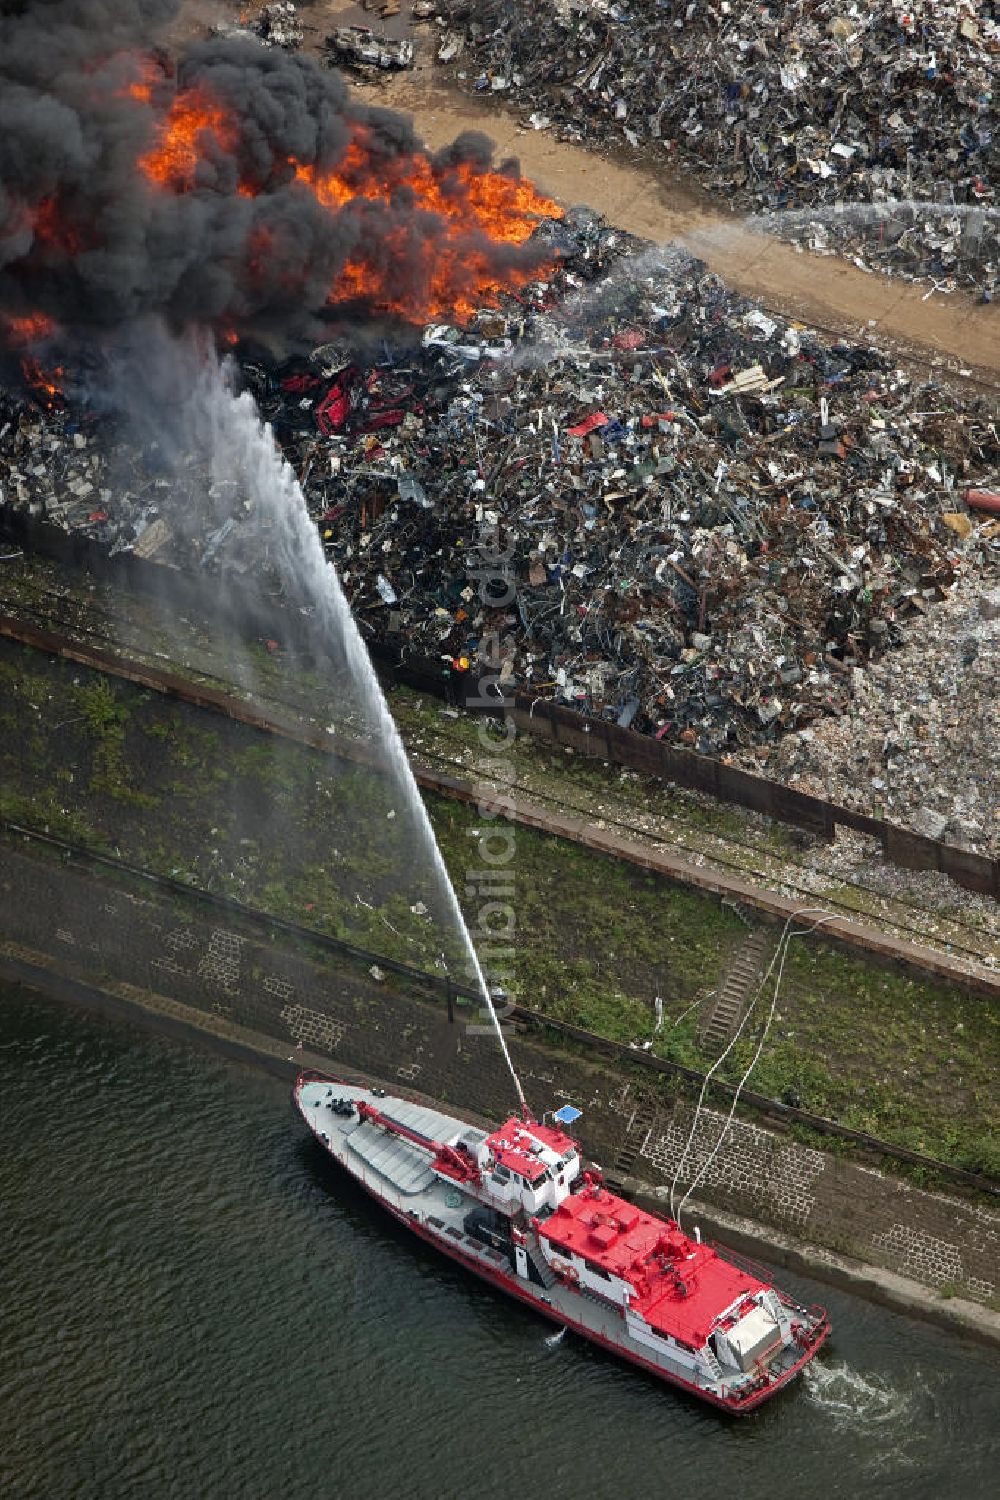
{"points": [[763, 1353]]}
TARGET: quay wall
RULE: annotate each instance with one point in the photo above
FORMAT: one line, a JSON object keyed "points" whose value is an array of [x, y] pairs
{"points": [[180, 955]]}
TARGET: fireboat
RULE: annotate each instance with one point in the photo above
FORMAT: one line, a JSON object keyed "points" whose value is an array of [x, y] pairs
{"points": [[517, 1207]]}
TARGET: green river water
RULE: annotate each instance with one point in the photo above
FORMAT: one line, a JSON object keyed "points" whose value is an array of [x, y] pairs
{"points": [[193, 1302]]}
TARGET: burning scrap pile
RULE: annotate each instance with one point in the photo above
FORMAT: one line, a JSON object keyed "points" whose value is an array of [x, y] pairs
{"points": [[239, 188], [781, 107], [710, 517]]}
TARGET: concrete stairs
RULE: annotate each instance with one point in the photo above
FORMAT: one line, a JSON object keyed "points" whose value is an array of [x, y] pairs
{"points": [[738, 987], [636, 1132]]}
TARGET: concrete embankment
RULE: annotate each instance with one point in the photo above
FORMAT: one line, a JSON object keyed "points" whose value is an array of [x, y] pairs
{"points": [[170, 962], [942, 962]]}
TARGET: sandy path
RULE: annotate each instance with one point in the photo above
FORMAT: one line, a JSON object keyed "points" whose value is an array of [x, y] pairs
{"points": [[825, 291], [948, 332]]}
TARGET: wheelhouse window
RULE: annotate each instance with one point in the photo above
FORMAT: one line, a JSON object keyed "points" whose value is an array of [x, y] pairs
{"points": [[596, 1270]]}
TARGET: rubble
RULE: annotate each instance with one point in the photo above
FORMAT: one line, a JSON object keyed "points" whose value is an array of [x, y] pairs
{"points": [[359, 47], [918, 740], [279, 26], [864, 130], [716, 527]]}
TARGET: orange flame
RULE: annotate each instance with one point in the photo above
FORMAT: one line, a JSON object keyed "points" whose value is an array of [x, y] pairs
{"points": [[430, 238], [181, 137], [151, 73], [448, 274], [463, 213], [30, 329], [44, 382], [54, 230]]}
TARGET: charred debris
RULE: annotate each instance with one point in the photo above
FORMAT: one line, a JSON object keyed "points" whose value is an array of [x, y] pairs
{"points": [[709, 520], [866, 130]]}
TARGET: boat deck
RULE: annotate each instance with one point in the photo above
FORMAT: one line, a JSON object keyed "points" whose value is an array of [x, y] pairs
{"points": [[399, 1161], [398, 1173]]}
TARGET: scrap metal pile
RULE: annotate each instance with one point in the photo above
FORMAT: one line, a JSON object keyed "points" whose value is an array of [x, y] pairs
{"points": [[710, 516], [918, 742], [357, 48], [777, 107]]}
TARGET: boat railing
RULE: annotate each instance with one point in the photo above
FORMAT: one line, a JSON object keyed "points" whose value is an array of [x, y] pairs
{"points": [[742, 1262], [317, 1075], [761, 1272]]}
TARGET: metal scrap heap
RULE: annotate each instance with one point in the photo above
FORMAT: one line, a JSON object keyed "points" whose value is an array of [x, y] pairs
{"points": [[712, 519], [799, 112]]}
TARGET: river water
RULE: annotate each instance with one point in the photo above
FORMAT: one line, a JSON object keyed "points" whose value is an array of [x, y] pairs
{"points": [[193, 1302]]}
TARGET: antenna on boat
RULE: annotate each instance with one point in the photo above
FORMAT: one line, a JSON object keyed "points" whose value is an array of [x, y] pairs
{"points": [[501, 995]]}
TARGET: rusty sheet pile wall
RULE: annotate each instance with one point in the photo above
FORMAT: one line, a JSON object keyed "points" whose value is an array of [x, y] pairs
{"points": [[539, 717], [702, 773]]}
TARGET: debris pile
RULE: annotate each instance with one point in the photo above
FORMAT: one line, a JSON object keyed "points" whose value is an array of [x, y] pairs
{"points": [[364, 50], [918, 741], [357, 48], [779, 108], [279, 26], [709, 521]]}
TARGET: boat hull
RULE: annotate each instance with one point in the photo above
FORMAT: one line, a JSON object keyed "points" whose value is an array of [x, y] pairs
{"points": [[557, 1302]]}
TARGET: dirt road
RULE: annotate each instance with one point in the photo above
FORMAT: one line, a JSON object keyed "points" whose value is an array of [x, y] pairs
{"points": [[947, 333], [950, 331]]}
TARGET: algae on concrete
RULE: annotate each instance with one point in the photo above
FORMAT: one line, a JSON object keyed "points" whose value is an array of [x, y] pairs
{"points": [[278, 825]]}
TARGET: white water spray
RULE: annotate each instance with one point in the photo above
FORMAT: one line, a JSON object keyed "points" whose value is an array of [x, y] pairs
{"points": [[970, 229], [851, 1398], [240, 447], [973, 217]]}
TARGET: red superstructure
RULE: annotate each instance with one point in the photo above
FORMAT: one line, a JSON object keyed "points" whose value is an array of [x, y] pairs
{"points": [[514, 1205], [678, 1285], [515, 1146]]}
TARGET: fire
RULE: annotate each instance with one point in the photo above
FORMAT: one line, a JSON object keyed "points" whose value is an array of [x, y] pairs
{"points": [[54, 230], [401, 231], [506, 209], [449, 272], [453, 283], [151, 74], [32, 328], [183, 136], [336, 189], [44, 383], [462, 212]]}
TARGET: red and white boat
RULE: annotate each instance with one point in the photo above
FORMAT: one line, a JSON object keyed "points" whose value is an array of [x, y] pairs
{"points": [[514, 1206]]}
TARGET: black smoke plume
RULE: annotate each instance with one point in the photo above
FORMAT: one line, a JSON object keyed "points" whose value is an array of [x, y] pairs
{"points": [[88, 242]]}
